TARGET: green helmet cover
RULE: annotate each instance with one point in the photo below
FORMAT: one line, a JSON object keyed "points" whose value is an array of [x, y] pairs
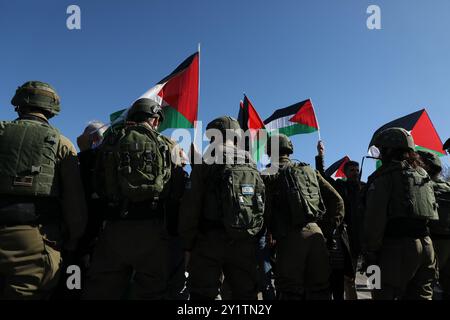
{"points": [[223, 124], [148, 106], [394, 138], [39, 95], [284, 144]]}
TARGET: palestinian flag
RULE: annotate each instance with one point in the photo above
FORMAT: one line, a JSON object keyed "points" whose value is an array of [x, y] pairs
{"points": [[296, 119], [422, 130], [117, 115], [249, 120], [336, 170], [178, 95], [248, 117]]}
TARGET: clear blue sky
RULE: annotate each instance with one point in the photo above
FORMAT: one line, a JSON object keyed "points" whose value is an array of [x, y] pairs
{"points": [[278, 52]]}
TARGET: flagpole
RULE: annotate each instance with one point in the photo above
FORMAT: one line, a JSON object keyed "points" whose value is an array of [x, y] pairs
{"points": [[315, 116], [198, 101]]}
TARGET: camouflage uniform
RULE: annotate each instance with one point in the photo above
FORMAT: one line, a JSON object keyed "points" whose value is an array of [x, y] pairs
{"points": [[400, 202], [212, 250], [30, 249], [302, 267], [440, 230], [440, 233], [131, 256]]}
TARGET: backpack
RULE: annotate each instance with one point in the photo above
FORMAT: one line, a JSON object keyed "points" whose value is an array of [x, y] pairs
{"points": [[133, 165], [412, 191], [442, 194], [298, 183], [236, 198], [28, 158], [420, 194]]}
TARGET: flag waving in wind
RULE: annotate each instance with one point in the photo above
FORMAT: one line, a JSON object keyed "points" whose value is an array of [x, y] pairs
{"points": [[178, 95], [422, 130], [249, 120], [296, 119], [248, 117], [336, 170]]}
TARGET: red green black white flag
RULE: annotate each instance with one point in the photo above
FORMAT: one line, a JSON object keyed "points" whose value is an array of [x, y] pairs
{"points": [[422, 130], [248, 117], [336, 170], [251, 122], [178, 95], [296, 119]]}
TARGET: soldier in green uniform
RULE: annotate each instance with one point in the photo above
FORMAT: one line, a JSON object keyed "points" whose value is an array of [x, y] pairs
{"points": [[399, 204], [42, 207], [133, 175], [440, 230], [302, 210], [221, 214]]}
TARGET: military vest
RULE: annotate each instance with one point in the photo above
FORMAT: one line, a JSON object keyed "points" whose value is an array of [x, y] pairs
{"points": [[298, 183], [235, 198], [442, 194], [28, 158], [412, 193], [133, 165]]}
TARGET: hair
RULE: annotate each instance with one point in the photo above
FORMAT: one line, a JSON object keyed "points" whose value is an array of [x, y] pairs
{"points": [[410, 156], [95, 128], [349, 164]]}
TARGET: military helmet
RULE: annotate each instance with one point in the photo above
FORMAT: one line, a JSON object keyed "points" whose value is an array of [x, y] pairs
{"points": [[39, 95], [430, 159], [148, 106], [223, 124], [395, 138], [284, 144]]}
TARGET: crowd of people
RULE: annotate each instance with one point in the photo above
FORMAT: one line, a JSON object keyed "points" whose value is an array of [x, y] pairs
{"points": [[139, 226]]}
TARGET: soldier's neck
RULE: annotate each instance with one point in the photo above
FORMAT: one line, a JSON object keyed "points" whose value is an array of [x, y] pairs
{"points": [[33, 115]]}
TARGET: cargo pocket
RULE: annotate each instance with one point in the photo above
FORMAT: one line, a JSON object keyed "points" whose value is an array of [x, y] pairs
{"points": [[52, 264]]}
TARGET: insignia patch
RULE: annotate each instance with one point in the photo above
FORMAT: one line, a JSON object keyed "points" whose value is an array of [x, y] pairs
{"points": [[248, 189], [26, 181]]}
